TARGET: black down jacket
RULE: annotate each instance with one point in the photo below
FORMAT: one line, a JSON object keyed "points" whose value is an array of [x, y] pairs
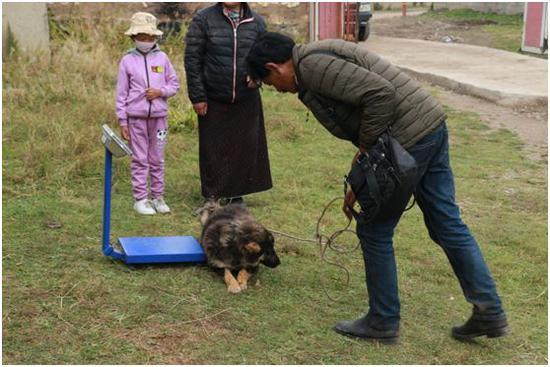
{"points": [[215, 54]]}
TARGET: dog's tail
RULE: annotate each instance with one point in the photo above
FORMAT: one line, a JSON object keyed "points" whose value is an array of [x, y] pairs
{"points": [[204, 212]]}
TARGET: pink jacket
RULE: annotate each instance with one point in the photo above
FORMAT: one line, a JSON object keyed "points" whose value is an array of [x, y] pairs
{"points": [[136, 73]]}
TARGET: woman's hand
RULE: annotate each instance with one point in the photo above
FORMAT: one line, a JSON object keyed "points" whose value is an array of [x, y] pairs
{"points": [[152, 93], [125, 132], [201, 108], [250, 83]]}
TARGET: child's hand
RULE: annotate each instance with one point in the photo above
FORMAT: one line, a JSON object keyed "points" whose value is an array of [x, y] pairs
{"points": [[125, 132], [152, 93], [200, 108]]}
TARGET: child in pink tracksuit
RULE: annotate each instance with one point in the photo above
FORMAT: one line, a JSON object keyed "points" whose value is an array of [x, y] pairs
{"points": [[146, 79]]}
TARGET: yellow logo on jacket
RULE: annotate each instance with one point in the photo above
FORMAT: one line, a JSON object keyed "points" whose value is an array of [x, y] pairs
{"points": [[157, 69]]}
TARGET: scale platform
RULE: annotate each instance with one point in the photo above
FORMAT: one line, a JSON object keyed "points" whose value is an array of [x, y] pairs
{"points": [[140, 250], [148, 250]]}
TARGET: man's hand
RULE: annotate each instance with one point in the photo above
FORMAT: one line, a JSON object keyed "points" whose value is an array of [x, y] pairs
{"points": [[201, 108], [350, 199], [349, 202], [355, 157], [152, 93], [125, 132]]}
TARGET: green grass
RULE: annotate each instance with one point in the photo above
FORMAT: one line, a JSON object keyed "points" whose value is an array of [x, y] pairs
{"points": [[501, 31], [64, 303], [473, 16]]}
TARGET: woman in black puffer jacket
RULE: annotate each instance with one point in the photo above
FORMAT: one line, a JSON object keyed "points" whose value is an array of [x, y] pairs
{"points": [[233, 154]]}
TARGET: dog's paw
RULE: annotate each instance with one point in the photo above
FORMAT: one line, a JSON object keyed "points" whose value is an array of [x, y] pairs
{"points": [[234, 288], [243, 286]]}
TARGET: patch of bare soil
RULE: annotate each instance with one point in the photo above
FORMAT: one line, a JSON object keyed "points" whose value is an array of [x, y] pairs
{"points": [[424, 28], [180, 343]]}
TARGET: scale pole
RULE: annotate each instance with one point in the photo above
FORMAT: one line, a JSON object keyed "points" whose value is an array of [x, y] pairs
{"points": [[107, 249]]}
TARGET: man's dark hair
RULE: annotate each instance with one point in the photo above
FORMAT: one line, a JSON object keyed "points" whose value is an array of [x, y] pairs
{"points": [[269, 47]]}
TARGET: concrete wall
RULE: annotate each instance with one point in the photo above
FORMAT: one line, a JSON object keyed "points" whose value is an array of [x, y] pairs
{"points": [[28, 23], [500, 8]]}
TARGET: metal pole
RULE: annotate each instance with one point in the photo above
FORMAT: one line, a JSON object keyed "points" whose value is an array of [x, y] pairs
{"points": [[317, 5], [107, 249]]}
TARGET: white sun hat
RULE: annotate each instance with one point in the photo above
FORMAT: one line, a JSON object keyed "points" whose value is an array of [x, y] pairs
{"points": [[143, 23]]}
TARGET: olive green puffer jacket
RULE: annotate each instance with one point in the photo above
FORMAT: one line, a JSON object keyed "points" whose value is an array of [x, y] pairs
{"points": [[356, 94]]}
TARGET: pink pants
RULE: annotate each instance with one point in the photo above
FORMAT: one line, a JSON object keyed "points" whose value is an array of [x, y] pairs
{"points": [[147, 139]]}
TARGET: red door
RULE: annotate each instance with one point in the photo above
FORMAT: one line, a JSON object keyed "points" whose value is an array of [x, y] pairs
{"points": [[534, 26], [330, 24]]}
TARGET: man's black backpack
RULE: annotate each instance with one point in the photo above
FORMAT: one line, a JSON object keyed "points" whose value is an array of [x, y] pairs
{"points": [[382, 180]]}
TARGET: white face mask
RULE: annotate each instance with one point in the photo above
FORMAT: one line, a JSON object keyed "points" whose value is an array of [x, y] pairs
{"points": [[144, 46]]}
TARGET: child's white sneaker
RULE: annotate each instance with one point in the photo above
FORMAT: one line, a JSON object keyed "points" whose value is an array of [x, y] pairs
{"points": [[160, 205], [144, 207]]}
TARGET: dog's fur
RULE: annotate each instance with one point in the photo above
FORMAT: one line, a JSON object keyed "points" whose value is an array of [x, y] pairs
{"points": [[235, 242]]}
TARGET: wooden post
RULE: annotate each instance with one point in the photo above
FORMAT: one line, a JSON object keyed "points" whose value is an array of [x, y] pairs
{"points": [[404, 9]]}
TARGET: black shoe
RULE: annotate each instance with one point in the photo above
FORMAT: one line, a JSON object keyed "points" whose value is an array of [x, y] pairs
{"points": [[360, 329], [235, 200], [478, 326]]}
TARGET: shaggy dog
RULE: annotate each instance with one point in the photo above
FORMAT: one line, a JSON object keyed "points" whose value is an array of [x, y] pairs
{"points": [[235, 242]]}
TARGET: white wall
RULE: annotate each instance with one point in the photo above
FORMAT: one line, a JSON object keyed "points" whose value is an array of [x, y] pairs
{"points": [[28, 22]]}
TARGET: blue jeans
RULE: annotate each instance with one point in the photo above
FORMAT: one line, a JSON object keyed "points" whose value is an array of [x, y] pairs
{"points": [[435, 195]]}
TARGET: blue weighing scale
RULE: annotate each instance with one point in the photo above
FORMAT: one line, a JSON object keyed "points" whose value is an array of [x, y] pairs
{"points": [[140, 250]]}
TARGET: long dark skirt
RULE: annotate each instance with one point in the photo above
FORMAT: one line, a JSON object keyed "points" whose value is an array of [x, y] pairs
{"points": [[233, 149]]}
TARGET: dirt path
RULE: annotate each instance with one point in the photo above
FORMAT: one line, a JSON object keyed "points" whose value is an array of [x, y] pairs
{"points": [[529, 123], [395, 14], [415, 26]]}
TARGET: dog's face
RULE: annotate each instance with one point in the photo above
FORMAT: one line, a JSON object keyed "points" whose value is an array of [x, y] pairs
{"points": [[261, 248], [269, 257]]}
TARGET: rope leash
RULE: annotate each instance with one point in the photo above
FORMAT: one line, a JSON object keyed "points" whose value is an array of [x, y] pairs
{"points": [[327, 242]]}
